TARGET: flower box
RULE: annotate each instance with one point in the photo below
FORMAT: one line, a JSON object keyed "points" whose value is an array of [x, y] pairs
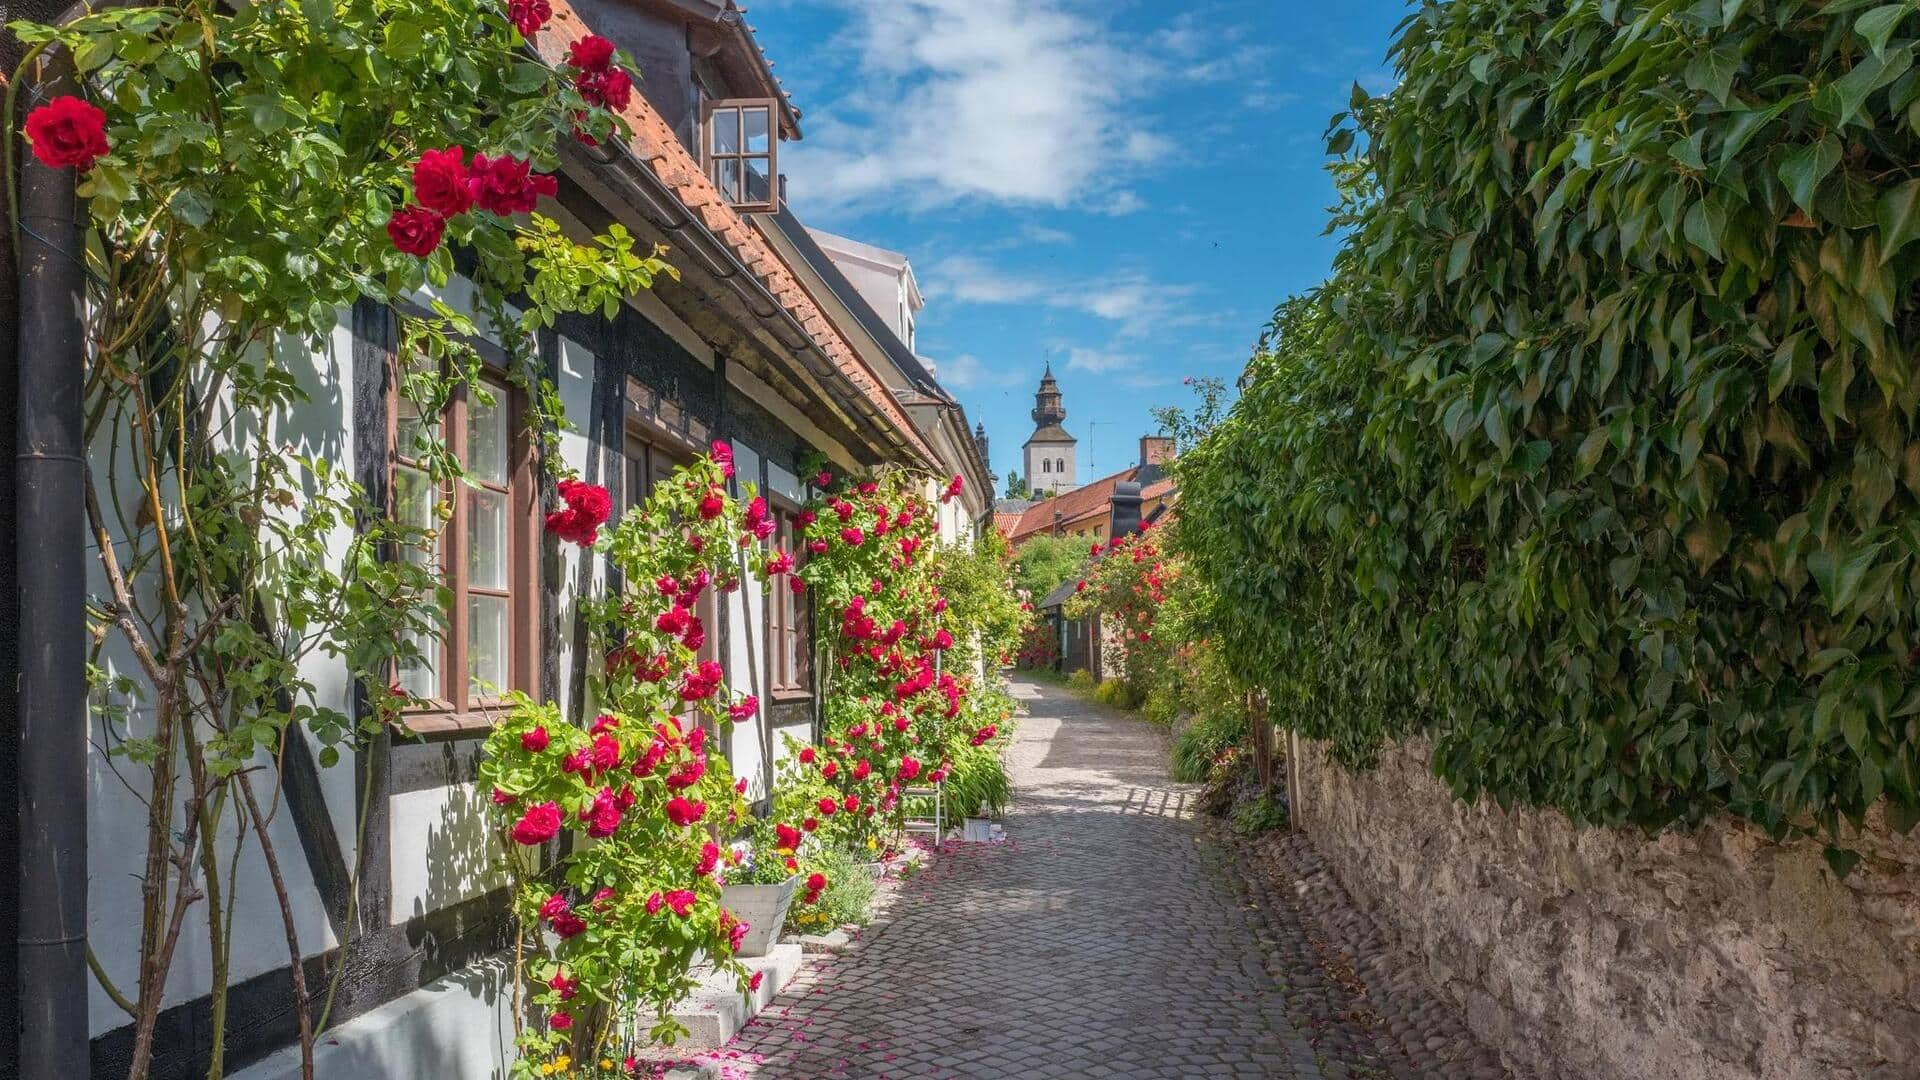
{"points": [[764, 909]]}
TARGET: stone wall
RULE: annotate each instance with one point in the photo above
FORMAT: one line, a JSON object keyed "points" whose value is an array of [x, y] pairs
{"points": [[1596, 954]]}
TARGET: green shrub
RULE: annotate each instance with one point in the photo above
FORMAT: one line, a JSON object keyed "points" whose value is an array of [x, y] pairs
{"points": [[1081, 680], [1210, 735], [979, 779], [1118, 693], [1594, 459], [848, 897], [1258, 815]]}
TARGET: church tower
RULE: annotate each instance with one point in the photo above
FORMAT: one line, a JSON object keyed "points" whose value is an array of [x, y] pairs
{"points": [[1049, 450]]}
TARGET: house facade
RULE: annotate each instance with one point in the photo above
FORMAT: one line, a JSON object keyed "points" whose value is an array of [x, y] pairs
{"points": [[385, 854]]}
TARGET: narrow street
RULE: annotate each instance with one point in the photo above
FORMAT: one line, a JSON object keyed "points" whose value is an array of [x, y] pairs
{"points": [[1095, 942]]}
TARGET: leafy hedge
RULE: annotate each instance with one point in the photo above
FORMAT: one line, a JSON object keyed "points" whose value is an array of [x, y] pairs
{"points": [[1596, 458]]}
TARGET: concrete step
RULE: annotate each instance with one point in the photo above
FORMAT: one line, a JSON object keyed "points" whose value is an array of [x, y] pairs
{"points": [[717, 1009]]}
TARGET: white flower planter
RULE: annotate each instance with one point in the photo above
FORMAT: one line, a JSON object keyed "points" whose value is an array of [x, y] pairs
{"points": [[764, 907]]}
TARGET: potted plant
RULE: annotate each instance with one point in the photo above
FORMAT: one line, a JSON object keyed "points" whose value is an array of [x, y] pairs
{"points": [[761, 879]]}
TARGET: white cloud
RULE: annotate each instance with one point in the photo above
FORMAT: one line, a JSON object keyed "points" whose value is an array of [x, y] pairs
{"points": [[1100, 361], [1007, 101], [1138, 304], [967, 372]]}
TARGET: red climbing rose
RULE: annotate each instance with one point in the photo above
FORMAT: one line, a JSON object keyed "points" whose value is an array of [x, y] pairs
{"points": [[68, 132]]}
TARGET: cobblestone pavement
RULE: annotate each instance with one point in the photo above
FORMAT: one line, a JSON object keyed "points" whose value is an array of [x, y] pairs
{"points": [[1102, 939]]}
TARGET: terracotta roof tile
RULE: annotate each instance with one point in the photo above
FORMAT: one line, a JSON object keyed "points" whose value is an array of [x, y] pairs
{"points": [[655, 143], [1074, 506]]}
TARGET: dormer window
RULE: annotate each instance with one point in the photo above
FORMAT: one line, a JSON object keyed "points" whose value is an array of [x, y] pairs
{"points": [[741, 152]]}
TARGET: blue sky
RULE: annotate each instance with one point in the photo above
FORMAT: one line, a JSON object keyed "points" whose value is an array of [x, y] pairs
{"points": [[1124, 188]]}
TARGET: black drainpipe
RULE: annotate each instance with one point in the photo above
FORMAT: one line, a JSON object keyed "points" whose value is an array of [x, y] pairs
{"points": [[50, 538]]}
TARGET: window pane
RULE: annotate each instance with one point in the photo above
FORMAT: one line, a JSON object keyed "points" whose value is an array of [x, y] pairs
{"points": [[486, 539], [486, 646], [408, 427], [759, 184], [726, 131], [756, 120], [421, 677], [488, 439], [726, 177]]}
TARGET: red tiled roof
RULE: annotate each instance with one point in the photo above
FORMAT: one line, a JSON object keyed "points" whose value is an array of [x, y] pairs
{"points": [[1076, 505], [654, 143]]}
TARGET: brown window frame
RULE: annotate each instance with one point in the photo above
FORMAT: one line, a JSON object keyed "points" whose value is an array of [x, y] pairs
{"points": [[453, 710], [785, 615], [710, 161]]}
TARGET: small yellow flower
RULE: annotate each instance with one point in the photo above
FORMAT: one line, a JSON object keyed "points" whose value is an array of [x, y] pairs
{"points": [[562, 1063], [606, 1063], [872, 843]]}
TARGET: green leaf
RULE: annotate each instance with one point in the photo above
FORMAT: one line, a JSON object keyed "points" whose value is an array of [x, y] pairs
{"points": [[1902, 817], [1898, 216], [1712, 72], [1878, 25], [1841, 861], [1805, 166], [1459, 255]]}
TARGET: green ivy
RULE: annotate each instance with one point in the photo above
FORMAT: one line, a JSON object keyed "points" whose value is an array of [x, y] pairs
{"points": [[1596, 458]]}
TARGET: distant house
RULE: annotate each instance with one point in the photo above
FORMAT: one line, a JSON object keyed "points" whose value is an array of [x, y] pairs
{"points": [[1114, 505]]}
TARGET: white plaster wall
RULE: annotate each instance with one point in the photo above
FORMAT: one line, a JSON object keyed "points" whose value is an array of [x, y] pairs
{"points": [[116, 812], [442, 850]]}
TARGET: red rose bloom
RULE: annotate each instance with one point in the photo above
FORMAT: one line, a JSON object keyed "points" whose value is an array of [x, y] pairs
{"points": [[440, 181], [810, 824], [528, 16], [984, 734], [687, 775], [416, 230], [555, 907], [745, 709], [560, 1021], [534, 741], [682, 811], [712, 506], [953, 489], [588, 507], [591, 53], [709, 858], [754, 982], [563, 986], [609, 89], [507, 185], [69, 132], [816, 882], [721, 452], [538, 825], [806, 755], [909, 768], [828, 807], [789, 837], [852, 536], [681, 902], [603, 816]]}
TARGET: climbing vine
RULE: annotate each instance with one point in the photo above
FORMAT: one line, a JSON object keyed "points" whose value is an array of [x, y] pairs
{"points": [[1595, 458]]}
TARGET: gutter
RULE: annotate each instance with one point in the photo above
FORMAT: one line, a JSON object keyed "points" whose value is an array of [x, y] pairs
{"points": [[50, 539]]}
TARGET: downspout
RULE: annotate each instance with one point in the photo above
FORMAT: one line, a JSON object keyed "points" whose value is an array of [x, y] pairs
{"points": [[50, 538]]}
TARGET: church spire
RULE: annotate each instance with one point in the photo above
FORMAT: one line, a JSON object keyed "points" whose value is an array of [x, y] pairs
{"points": [[1047, 409]]}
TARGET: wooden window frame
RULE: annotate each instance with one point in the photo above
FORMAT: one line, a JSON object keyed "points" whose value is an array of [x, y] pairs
{"points": [[785, 614], [710, 160], [452, 710]]}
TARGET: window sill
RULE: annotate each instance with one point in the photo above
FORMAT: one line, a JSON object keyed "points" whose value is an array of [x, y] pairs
{"points": [[449, 724], [789, 697]]}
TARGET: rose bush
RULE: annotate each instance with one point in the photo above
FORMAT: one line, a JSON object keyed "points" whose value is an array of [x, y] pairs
{"points": [[645, 786]]}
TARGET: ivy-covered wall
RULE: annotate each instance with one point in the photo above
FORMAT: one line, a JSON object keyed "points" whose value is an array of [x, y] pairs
{"points": [[1596, 460]]}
